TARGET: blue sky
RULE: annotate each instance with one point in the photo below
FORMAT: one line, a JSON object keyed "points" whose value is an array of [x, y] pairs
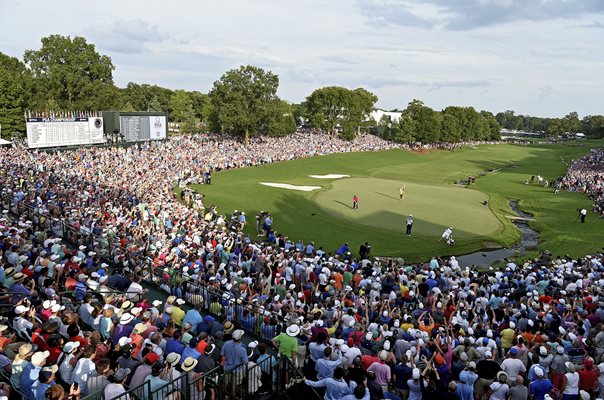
{"points": [[538, 57]]}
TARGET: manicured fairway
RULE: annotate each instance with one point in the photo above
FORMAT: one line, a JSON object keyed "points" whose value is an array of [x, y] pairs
{"points": [[325, 215]]}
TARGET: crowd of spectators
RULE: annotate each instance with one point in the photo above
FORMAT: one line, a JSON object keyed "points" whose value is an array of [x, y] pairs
{"points": [[357, 326], [586, 175]]}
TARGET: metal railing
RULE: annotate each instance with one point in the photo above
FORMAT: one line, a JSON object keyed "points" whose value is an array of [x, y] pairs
{"points": [[271, 376]]}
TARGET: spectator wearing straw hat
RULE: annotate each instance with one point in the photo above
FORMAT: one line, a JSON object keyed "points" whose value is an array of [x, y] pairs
{"points": [[21, 360]]}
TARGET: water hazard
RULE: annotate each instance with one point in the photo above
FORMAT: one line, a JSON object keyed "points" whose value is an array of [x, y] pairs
{"points": [[529, 238]]}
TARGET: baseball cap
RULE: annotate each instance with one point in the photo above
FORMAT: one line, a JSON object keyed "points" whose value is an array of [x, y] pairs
{"points": [[152, 357], [237, 334]]}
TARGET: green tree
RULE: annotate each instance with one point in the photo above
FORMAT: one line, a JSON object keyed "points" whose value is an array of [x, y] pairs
{"points": [[281, 120], [127, 107], [333, 106], [426, 121], [593, 125], [406, 130], [181, 111], [450, 128], [555, 127], [14, 82], [571, 122], [242, 99], [154, 105], [69, 70], [493, 127], [199, 102]]}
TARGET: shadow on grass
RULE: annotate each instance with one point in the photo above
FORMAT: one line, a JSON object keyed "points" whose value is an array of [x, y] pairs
{"points": [[344, 204], [387, 195]]}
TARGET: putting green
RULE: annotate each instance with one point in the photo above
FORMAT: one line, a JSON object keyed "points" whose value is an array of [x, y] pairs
{"points": [[433, 207]]}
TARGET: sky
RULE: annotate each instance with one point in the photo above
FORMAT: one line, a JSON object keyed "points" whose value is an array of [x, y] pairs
{"points": [[537, 57]]}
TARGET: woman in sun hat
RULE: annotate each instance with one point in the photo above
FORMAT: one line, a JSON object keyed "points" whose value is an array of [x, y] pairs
{"points": [[21, 360]]}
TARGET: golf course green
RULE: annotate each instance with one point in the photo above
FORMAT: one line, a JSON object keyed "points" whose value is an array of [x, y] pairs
{"points": [[325, 215]]}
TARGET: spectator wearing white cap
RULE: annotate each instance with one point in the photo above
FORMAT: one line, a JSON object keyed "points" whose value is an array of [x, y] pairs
{"points": [[67, 360], [541, 386], [233, 353]]}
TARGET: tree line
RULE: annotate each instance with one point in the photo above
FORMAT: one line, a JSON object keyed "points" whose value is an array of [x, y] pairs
{"points": [[420, 123], [67, 73], [590, 125]]}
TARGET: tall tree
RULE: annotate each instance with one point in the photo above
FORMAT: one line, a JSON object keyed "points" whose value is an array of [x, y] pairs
{"points": [[181, 111], [199, 102], [242, 99], [14, 84], [426, 121], [281, 120], [333, 106], [68, 70]]}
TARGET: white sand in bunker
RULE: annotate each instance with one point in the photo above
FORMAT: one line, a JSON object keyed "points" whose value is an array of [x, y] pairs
{"points": [[329, 176], [291, 187]]}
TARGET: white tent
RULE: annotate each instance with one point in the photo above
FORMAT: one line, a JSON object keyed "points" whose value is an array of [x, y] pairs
{"points": [[4, 142]]}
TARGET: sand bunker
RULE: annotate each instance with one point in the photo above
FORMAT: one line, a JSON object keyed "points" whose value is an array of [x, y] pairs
{"points": [[291, 187], [329, 176]]}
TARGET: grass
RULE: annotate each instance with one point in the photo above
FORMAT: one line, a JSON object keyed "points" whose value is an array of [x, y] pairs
{"points": [[325, 216]]}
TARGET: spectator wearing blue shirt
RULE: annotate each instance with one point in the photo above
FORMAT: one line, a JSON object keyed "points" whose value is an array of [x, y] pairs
{"points": [[325, 366], [31, 373], [248, 321], [155, 383], [194, 318], [46, 379], [335, 388], [80, 288], [174, 345], [402, 373], [191, 350], [205, 325], [540, 386], [18, 287], [234, 353]]}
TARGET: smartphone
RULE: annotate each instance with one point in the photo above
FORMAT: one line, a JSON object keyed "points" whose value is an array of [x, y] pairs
{"points": [[76, 386]]}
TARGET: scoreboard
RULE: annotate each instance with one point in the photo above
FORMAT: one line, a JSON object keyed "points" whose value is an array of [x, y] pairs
{"points": [[136, 128], [65, 131]]}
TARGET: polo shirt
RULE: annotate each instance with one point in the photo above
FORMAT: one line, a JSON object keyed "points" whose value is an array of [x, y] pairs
{"points": [[382, 372], [287, 344], [234, 355], [539, 388]]}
